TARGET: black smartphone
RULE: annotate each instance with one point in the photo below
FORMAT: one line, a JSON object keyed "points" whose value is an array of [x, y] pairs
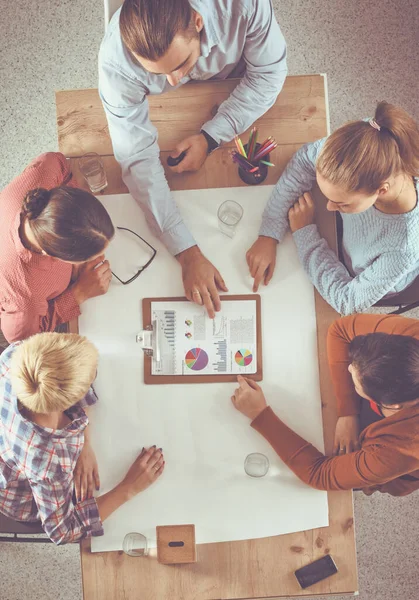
{"points": [[174, 161], [316, 571]]}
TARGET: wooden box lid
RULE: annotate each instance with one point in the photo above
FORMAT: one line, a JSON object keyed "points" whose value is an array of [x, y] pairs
{"points": [[176, 544]]}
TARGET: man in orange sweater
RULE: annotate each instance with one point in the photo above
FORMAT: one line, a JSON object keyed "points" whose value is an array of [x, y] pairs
{"points": [[373, 359]]}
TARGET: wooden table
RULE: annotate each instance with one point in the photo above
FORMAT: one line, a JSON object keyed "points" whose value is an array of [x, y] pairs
{"points": [[243, 569]]}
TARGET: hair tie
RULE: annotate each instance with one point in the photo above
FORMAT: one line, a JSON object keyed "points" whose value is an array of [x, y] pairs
{"points": [[374, 124]]}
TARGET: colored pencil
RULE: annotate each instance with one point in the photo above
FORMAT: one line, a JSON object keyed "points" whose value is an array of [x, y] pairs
{"points": [[254, 143], [268, 164], [236, 141], [267, 142], [242, 148], [266, 145], [243, 162], [248, 160], [264, 152]]}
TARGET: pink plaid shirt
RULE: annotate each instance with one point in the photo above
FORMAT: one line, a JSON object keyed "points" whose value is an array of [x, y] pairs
{"points": [[37, 465]]}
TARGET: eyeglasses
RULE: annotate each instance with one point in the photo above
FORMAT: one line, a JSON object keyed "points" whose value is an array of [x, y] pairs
{"points": [[148, 263]]}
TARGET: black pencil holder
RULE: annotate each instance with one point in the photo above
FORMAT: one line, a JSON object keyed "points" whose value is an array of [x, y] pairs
{"points": [[259, 176]]}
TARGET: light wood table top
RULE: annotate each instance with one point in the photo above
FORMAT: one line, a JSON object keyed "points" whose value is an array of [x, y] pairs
{"points": [[262, 568]]}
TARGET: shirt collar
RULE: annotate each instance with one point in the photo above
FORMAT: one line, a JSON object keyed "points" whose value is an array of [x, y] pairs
{"points": [[79, 422], [209, 36]]}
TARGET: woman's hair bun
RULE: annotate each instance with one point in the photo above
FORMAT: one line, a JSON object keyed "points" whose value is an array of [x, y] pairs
{"points": [[35, 202]]}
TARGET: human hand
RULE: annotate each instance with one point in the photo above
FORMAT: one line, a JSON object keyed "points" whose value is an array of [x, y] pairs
{"points": [[261, 258], [196, 148], [86, 474], [347, 435], [248, 398], [144, 471], [93, 279], [201, 280], [302, 213]]}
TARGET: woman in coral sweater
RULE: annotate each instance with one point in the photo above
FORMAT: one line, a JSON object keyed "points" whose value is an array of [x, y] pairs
{"points": [[52, 239], [374, 363]]}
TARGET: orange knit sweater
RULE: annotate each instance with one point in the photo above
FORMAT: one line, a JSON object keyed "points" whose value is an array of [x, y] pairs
{"points": [[389, 456]]}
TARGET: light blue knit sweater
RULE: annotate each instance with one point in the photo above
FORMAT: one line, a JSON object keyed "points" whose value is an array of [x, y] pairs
{"points": [[381, 251]]}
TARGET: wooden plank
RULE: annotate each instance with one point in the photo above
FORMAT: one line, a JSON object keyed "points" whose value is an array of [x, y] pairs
{"points": [[299, 115], [255, 568], [219, 162]]}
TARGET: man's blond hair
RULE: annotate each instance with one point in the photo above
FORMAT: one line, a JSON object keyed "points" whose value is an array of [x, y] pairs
{"points": [[52, 371]]}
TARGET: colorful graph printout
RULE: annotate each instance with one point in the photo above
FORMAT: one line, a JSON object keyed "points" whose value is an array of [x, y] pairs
{"points": [[243, 358], [193, 344], [196, 359]]}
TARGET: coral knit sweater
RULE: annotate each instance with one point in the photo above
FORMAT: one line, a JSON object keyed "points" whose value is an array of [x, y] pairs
{"points": [[34, 294], [388, 460]]}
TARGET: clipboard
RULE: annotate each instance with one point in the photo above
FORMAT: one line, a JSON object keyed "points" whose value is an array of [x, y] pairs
{"points": [[150, 344]]}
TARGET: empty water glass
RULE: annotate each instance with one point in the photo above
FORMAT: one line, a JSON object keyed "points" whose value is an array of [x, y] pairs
{"points": [[92, 169], [229, 216], [256, 465], [135, 544]]}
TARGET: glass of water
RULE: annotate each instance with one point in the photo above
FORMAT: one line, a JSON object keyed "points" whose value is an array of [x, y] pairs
{"points": [[92, 169], [135, 544], [229, 216], [256, 465]]}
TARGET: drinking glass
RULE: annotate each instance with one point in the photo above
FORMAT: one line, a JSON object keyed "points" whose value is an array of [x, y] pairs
{"points": [[256, 465], [92, 169], [135, 544], [229, 216]]}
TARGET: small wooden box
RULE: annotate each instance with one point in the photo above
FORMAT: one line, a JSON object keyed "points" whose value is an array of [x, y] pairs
{"points": [[176, 544]]}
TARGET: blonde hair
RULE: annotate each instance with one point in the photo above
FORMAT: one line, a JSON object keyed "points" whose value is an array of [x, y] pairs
{"points": [[52, 371], [358, 156]]}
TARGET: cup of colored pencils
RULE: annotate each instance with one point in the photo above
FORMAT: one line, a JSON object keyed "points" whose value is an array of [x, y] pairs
{"points": [[253, 158]]}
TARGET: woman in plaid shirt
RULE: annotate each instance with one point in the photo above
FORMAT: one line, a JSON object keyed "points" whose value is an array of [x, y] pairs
{"points": [[45, 386]]}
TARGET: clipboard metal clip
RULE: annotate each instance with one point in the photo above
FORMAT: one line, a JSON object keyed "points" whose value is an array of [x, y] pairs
{"points": [[149, 340]]}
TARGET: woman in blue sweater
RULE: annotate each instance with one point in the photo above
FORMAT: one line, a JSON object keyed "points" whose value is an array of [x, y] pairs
{"points": [[368, 170]]}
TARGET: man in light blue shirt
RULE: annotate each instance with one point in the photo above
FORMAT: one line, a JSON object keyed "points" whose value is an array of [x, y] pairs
{"points": [[153, 45]]}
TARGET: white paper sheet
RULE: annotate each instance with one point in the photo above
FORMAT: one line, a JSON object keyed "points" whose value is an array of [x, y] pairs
{"points": [[193, 344], [205, 440]]}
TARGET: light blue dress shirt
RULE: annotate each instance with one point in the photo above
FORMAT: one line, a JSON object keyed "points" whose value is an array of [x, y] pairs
{"points": [[240, 38]]}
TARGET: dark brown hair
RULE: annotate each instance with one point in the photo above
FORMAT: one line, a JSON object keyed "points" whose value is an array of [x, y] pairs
{"points": [[68, 223], [387, 366], [148, 27], [359, 157]]}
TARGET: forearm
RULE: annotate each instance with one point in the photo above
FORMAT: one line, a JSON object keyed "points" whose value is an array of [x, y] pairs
{"points": [[61, 309], [264, 54], [346, 294], [134, 140], [111, 501], [298, 177], [187, 257], [251, 99], [311, 466]]}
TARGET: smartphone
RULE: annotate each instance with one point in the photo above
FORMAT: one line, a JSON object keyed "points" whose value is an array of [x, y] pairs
{"points": [[316, 571]]}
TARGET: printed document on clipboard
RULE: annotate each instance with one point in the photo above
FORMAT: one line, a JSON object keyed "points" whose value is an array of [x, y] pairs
{"points": [[191, 345]]}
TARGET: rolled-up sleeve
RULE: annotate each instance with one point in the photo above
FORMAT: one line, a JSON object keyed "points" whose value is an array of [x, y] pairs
{"points": [[21, 324], [134, 140], [90, 398], [264, 54], [63, 520]]}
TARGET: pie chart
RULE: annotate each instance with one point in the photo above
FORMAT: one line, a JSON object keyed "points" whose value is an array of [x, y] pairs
{"points": [[196, 359], [243, 357]]}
